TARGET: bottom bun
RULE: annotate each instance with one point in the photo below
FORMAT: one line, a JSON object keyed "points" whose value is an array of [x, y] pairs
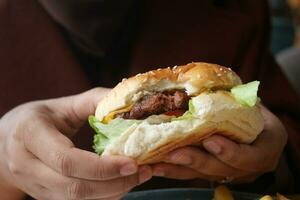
{"points": [[216, 113]]}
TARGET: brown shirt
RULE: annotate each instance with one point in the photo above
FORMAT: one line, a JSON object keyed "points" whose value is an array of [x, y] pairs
{"points": [[78, 45]]}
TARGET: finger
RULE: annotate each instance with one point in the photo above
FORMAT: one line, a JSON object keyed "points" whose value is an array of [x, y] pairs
{"points": [[77, 108], [20, 166], [145, 173], [262, 155], [73, 188], [118, 197], [62, 156], [256, 157], [202, 162], [273, 125], [178, 172], [251, 177], [36, 178]]}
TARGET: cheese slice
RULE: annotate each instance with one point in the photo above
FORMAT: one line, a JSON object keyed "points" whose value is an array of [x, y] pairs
{"points": [[110, 116]]}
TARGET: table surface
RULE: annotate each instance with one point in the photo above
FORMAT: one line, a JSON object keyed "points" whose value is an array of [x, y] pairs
{"points": [[190, 194]]}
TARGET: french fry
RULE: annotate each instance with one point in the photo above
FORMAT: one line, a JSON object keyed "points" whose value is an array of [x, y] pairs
{"points": [[222, 193], [281, 197], [266, 197]]}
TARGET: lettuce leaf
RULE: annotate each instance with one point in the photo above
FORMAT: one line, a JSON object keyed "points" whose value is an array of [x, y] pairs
{"points": [[192, 109], [108, 132], [246, 94], [100, 142], [188, 114]]}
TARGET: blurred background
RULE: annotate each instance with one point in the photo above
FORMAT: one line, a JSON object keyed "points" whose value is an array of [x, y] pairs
{"points": [[285, 40]]}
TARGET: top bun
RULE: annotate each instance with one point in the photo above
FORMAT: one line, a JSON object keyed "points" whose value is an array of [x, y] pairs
{"points": [[194, 78]]}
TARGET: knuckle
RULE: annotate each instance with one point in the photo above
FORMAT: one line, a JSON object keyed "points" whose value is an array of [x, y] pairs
{"points": [[25, 130], [64, 163], [198, 162], [14, 168], [231, 157], [76, 190], [100, 172]]}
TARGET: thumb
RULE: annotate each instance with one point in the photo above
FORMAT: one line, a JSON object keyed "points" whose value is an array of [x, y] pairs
{"points": [[78, 107], [85, 103]]}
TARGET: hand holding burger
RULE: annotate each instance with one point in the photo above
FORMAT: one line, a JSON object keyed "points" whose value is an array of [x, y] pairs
{"points": [[38, 157], [157, 117], [224, 160], [147, 116]]}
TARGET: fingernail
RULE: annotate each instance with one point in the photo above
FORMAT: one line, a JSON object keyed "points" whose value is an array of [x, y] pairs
{"points": [[128, 169], [212, 147], [180, 159], [145, 173]]}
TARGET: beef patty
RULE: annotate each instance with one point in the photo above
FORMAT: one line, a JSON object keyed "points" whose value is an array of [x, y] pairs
{"points": [[156, 104]]}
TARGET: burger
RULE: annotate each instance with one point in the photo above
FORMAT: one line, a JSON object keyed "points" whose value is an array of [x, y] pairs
{"points": [[148, 115]]}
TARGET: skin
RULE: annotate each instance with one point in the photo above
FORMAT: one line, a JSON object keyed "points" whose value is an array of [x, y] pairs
{"points": [[220, 157], [39, 158], [55, 169]]}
